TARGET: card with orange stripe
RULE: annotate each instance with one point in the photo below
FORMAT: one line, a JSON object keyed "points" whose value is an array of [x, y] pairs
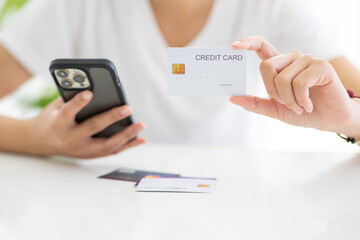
{"points": [[176, 184]]}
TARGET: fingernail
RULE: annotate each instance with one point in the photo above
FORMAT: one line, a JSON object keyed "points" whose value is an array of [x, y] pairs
{"points": [[236, 43], [298, 111], [86, 95], [124, 111], [309, 110], [138, 129]]}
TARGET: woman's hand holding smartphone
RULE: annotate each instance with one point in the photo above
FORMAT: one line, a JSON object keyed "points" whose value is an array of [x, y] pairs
{"points": [[55, 131], [91, 120]]}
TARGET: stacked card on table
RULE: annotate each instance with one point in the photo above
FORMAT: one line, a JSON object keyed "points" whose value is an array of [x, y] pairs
{"points": [[133, 175], [206, 72], [147, 181], [176, 184]]}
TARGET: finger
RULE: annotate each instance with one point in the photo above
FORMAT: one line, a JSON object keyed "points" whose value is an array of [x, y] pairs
{"points": [[267, 107], [101, 121], [57, 103], [270, 69], [134, 143], [69, 110], [258, 44], [120, 139], [309, 78], [284, 83], [280, 62]]}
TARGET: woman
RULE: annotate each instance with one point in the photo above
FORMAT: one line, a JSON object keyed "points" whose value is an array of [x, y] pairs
{"points": [[134, 35]]}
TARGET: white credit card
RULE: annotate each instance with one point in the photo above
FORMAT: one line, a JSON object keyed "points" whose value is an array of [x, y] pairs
{"points": [[206, 72], [181, 184]]}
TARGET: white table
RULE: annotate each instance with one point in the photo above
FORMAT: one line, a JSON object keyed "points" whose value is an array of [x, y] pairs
{"points": [[260, 195]]}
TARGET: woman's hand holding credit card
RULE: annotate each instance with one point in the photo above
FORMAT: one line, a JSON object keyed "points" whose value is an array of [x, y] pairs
{"points": [[303, 91]]}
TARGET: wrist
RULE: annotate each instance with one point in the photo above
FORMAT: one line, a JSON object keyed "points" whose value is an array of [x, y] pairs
{"points": [[29, 142], [15, 137], [32, 143], [352, 127]]}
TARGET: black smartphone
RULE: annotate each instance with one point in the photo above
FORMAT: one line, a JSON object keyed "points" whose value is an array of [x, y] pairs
{"points": [[97, 75]]}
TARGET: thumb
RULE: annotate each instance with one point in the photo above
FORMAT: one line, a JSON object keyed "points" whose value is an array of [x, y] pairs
{"points": [[264, 106], [71, 108], [263, 48]]}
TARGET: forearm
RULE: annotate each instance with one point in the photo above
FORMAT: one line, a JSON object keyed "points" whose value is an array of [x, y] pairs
{"points": [[12, 73], [348, 74], [14, 136]]}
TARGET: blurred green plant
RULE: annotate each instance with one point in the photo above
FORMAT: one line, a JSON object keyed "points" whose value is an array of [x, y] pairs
{"points": [[49, 95], [9, 8]]}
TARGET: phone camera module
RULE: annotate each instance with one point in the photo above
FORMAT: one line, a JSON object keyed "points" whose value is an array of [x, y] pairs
{"points": [[62, 74], [79, 79], [66, 83], [72, 78]]}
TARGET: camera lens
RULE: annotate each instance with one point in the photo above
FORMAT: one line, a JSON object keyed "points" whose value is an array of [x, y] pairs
{"points": [[79, 79], [66, 84], [62, 74]]}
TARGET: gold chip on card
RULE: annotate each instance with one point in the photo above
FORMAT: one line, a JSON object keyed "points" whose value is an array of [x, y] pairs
{"points": [[178, 68]]}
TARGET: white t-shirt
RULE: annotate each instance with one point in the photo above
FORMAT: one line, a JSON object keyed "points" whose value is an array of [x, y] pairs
{"points": [[126, 32]]}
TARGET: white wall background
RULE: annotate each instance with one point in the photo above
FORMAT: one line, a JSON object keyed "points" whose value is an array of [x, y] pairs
{"points": [[279, 136]]}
